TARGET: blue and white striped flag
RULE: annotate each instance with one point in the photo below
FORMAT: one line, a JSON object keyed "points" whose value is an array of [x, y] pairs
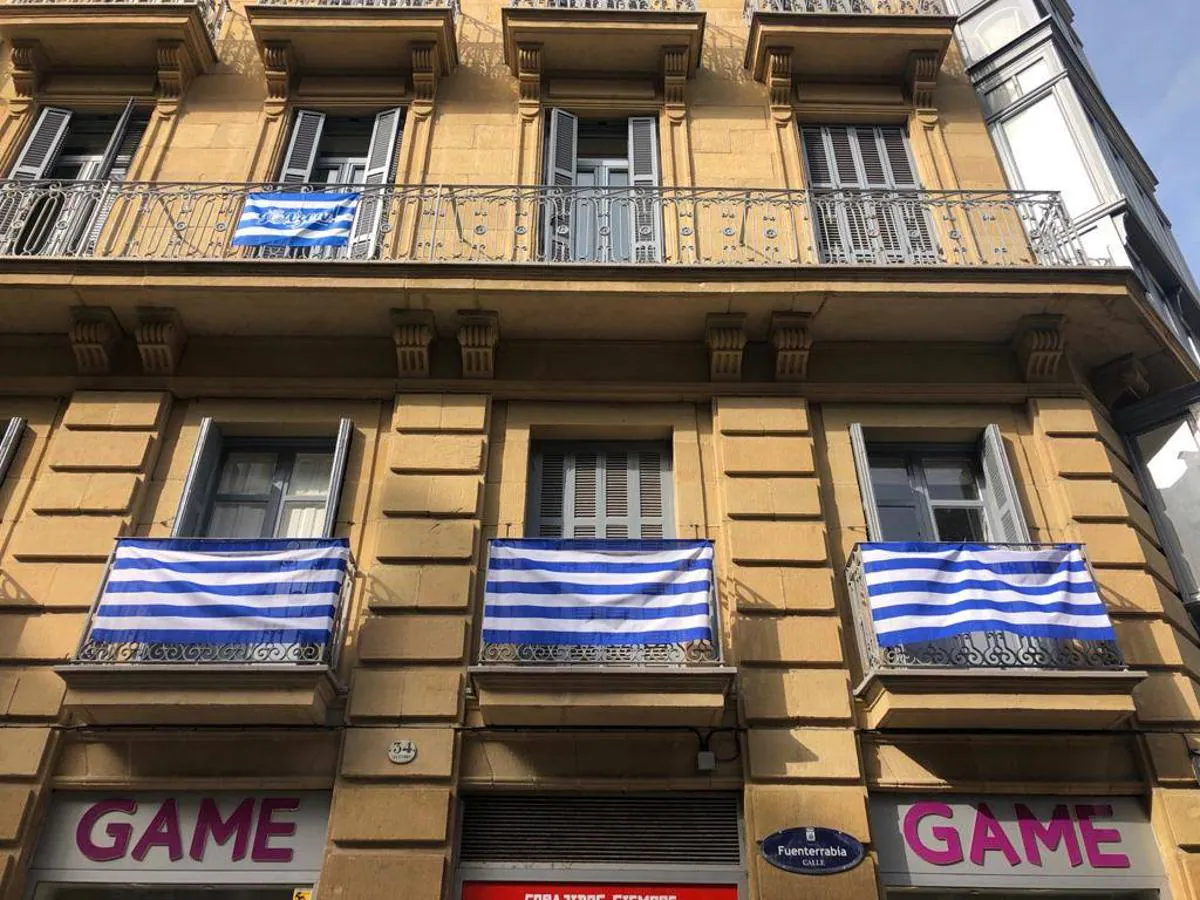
{"points": [[598, 593], [296, 220], [184, 591], [924, 592]]}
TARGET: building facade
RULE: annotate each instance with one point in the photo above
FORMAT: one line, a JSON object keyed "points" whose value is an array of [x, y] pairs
{"points": [[720, 289]]}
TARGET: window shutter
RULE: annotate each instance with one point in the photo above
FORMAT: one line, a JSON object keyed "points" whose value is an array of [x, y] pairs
{"points": [[1006, 520], [337, 476], [654, 492], [114, 166], [302, 149], [9, 443], [643, 173], [820, 171], [583, 495], [549, 492], [42, 146], [562, 144], [842, 231], [197, 486], [862, 467], [381, 171], [901, 170], [115, 140]]}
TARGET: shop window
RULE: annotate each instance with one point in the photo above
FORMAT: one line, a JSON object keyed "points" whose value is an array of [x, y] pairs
{"points": [[607, 491], [263, 488], [857, 174], [73, 157], [600, 215], [10, 440]]}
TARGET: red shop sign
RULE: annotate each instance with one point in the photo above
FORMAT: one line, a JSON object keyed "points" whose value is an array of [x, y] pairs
{"points": [[516, 890]]}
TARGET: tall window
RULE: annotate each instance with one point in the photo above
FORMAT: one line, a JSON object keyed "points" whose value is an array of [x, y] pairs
{"points": [[608, 491], [604, 218], [997, 24], [1170, 457]]}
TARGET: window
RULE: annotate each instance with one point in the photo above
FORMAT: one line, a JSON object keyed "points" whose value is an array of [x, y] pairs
{"points": [[603, 218], [267, 488], [10, 440], [1042, 146], [992, 27], [66, 146], [345, 151], [607, 491], [1170, 456], [858, 175]]}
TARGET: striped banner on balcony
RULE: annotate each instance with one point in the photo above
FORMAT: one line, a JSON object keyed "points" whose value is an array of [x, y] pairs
{"points": [[222, 591], [925, 592], [598, 593], [291, 219]]}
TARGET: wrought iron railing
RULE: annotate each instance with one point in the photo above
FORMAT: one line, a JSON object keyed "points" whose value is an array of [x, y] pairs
{"points": [[580, 225], [611, 5], [93, 652], [367, 4], [850, 7], [212, 11], [989, 650]]}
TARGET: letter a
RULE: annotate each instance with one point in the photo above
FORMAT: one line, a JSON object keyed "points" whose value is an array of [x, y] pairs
{"points": [[988, 835]]}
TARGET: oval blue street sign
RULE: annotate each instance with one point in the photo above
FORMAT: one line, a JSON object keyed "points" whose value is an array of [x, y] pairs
{"points": [[812, 851]]}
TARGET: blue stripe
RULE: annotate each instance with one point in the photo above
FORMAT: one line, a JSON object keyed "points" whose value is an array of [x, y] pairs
{"points": [[223, 590], [962, 587], [286, 240], [232, 566], [1059, 632], [585, 639], [306, 196], [592, 613], [969, 565], [200, 636], [599, 546], [614, 568], [596, 590], [216, 611], [234, 545], [933, 611], [932, 547]]}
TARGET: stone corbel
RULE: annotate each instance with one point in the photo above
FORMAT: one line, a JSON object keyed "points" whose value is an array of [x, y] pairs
{"points": [[1040, 347], [1121, 382], [413, 331], [478, 335], [922, 79], [160, 339], [725, 336], [279, 63], [675, 72], [424, 78], [529, 80], [779, 80], [175, 72], [791, 336], [94, 334], [28, 64]]}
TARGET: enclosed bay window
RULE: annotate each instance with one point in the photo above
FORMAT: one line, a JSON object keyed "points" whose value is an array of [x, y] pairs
{"points": [[994, 25], [863, 180], [599, 208]]}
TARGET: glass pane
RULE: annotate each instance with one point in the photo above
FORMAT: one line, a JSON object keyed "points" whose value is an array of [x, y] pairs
{"points": [[302, 520], [889, 478], [237, 520], [1172, 460], [950, 479], [900, 523], [959, 524], [310, 475], [247, 473], [1047, 156], [990, 29]]}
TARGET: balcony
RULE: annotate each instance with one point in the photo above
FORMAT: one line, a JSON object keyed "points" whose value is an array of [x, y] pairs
{"points": [[436, 224], [357, 37], [213, 632], [89, 36], [593, 650], [864, 41], [633, 33], [985, 679]]}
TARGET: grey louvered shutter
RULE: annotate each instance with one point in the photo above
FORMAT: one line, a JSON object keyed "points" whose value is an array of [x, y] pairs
{"points": [[301, 154], [862, 468], [337, 476], [1006, 520], [114, 166], [198, 484], [43, 144], [840, 218], [643, 173], [908, 216], [9, 442], [380, 172], [558, 207]]}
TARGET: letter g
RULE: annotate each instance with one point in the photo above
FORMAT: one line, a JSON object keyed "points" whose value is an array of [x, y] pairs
{"points": [[119, 832]]}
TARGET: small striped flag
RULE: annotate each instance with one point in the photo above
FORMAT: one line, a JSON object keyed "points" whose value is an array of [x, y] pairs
{"points": [[598, 593], [282, 219], [925, 592], [184, 591]]}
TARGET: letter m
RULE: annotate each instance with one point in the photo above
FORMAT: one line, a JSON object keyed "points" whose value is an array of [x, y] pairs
{"points": [[1059, 830], [209, 821]]}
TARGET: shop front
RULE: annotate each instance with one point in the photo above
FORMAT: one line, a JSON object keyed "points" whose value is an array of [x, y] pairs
{"points": [[954, 846], [179, 846]]}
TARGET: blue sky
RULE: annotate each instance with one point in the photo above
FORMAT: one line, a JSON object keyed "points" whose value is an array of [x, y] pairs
{"points": [[1146, 54]]}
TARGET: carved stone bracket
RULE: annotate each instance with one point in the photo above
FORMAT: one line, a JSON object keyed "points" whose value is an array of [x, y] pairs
{"points": [[792, 339], [779, 78], [279, 62], [1120, 382], [1040, 347], [176, 70], [94, 334], [725, 335], [478, 335], [28, 63], [413, 331], [675, 72], [922, 78], [160, 339], [424, 78], [529, 79]]}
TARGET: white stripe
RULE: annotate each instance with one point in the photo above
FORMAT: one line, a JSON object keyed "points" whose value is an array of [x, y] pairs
{"points": [[187, 623], [607, 556], [318, 202], [1021, 580], [935, 601], [987, 556], [221, 579], [543, 576], [597, 626], [177, 556], [575, 601], [904, 623], [269, 601]]}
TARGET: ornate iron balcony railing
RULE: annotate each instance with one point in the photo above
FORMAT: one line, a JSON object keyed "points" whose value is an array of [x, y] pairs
{"points": [[991, 650], [611, 5], [189, 600], [367, 4], [561, 225], [212, 11], [850, 7]]}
